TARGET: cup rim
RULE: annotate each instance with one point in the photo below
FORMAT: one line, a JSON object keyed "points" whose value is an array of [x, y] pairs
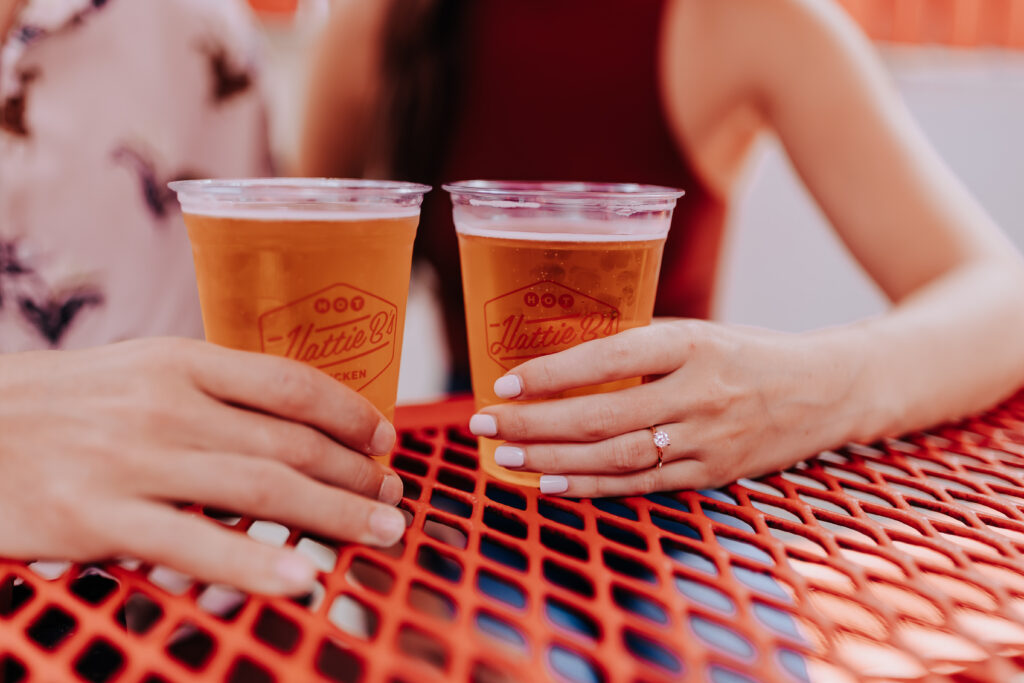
{"points": [[272, 190], [563, 190]]}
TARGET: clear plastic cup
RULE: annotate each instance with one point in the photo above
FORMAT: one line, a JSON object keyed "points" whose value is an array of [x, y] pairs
{"points": [[311, 269], [547, 266]]}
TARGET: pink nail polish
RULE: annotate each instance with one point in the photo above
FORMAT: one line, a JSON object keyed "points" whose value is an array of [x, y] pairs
{"points": [[296, 570], [509, 456], [387, 526], [553, 483], [508, 386], [483, 425]]}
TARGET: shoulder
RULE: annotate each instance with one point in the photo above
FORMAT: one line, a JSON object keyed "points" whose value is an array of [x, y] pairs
{"points": [[752, 44]]}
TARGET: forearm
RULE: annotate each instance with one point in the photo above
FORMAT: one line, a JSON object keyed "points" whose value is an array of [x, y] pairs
{"points": [[953, 347]]}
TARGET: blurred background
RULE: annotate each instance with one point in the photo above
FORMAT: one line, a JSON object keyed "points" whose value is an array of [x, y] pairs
{"points": [[959, 64]]}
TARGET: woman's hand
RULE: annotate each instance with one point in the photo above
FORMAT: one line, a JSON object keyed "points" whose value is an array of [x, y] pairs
{"points": [[734, 402], [96, 447]]}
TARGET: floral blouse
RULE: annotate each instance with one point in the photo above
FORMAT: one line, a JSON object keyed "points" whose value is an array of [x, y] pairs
{"points": [[102, 102]]}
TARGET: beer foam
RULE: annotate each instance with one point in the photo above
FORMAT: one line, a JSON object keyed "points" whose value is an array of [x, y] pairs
{"points": [[280, 214], [546, 230]]}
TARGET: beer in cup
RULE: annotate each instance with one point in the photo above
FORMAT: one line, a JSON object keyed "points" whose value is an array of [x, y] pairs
{"points": [[547, 266]]}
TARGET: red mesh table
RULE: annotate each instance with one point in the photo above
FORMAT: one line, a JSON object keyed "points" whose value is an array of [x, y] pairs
{"points": [[896, 561]]}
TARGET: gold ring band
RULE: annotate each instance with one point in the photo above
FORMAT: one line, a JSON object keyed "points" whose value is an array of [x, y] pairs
{"points": [[661, 442]]}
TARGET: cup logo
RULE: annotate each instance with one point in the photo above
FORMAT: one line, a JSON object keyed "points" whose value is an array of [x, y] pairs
{"points": [[344, 331], [542, 318]]}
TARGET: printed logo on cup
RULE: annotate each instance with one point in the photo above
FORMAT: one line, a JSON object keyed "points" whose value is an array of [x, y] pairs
{"points": [[344, 331], [544, 318]]}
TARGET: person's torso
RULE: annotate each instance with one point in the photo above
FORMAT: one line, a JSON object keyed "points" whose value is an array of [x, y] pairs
{"points": [[569, 90], [102, 103]]}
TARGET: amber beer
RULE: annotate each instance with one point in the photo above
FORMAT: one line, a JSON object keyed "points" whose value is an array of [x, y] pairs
{"points": [[313, 270], [548, 266]]}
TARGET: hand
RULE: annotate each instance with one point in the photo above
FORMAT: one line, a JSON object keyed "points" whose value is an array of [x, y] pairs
{"points": [[98, 445], [734, 401]]}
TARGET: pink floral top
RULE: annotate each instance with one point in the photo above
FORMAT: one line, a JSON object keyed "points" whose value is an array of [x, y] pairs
{"points": [[102, 102]]}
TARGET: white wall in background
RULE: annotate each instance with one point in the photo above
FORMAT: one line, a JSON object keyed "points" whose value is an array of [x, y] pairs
{"points": [[784, 269]]}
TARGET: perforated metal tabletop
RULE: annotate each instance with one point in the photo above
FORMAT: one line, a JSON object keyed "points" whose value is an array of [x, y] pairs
{"points": [[896, 561]]}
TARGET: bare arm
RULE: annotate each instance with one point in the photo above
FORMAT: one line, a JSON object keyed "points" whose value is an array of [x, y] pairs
{"points": [[342, 92], [950, 344], [738, 401]]}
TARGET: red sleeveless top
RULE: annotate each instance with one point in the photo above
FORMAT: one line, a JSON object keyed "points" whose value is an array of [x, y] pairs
{"points": [[569, 90]]}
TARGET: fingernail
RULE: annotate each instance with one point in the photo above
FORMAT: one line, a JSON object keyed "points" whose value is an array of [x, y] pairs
{"points": [[387, 526], [483, 425], [508, 386], [297, 571], [552, 483], [391, 490], [383, 439], [509, 456]]}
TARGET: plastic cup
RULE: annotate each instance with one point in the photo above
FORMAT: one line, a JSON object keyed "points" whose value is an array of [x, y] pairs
{"points": [[547, 266], [311, 269]]}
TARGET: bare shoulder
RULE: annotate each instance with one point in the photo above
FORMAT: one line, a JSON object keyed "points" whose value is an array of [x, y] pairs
{"points": [[758, 44], [342, 89], [724, 62]]}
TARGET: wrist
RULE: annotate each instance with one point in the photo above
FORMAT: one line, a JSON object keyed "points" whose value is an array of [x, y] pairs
{"points": [[860, 405]]}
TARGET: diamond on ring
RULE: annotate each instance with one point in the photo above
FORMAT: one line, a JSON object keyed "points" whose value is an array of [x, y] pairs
{"points": [[661, 439]]}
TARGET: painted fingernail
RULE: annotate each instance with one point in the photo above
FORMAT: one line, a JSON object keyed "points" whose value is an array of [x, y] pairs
{"points": [[387, 526], [391, 490], [508, 386], [552, 483], [297, 571], [483, 425], [383, 439], [509, 456]]}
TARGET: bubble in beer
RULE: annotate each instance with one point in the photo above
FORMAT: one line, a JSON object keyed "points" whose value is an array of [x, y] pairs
{"points": [[552, 272]]}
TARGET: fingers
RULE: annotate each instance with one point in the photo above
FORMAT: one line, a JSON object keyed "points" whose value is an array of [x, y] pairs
{"points": [[618, 455], [271, 490], [579, 419], [675, 476], [652, 350], [294, 391], [203, 549], [302, 448]]}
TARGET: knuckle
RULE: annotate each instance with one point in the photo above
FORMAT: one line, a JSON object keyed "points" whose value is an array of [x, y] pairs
{"points": [[296, 388], [692, 333], [628, 455], [149, 401], [716, 471], [365, 477], [511, 423], [602, 421], [603, 487], [718, 399], [259, 491], [540, 377], [165, 353], [620, 349], [649, 480], [302, 450]]}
